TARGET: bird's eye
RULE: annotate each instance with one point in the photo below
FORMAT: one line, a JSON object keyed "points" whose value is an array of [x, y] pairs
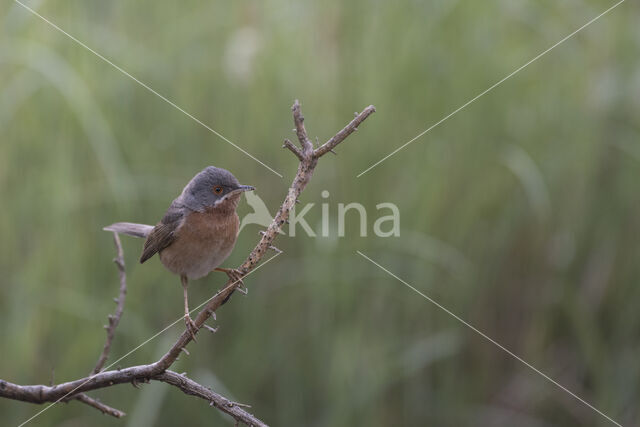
{"points": [[217, 190]]}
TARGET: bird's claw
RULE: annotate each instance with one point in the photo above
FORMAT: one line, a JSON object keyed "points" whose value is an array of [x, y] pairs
{"points": [[191, 326], [236, 276], [210, 329]]}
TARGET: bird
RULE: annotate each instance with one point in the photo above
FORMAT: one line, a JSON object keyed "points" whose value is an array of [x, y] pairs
{"points": [[198, 231]]}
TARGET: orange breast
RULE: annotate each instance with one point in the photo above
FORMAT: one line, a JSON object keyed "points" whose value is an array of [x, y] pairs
{"points": [[202, 243]]}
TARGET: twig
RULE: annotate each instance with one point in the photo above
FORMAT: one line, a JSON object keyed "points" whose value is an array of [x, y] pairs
{"points": [[345, 132], [158, 371], [115, 318], [301, 132], [295, 150], [227, 406], [99, 406]]}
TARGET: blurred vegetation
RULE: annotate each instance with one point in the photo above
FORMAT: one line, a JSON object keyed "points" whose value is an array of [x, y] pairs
{"points": [[520, 213]]}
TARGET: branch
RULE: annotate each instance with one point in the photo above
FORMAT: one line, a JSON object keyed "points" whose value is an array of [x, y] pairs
{"points": [[69, 391], [158, 371], [345, 132], [305, 171], [114, 319], [295, 150], [99, 406], [301, 132], [222, 403]]}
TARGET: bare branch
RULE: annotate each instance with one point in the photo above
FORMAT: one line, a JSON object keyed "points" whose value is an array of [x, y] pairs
{"points": [[303, 175], [345, 132], [158, 371], [99, 406], [301, 132], [295, 150], [227, 406], [115, 318], [42, 394]]}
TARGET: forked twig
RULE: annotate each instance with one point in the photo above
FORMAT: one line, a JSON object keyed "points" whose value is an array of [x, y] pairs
{"points": [[114, 318]]}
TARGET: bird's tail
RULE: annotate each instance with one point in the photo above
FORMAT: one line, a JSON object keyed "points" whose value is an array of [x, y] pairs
{"points": [[129, 228]]}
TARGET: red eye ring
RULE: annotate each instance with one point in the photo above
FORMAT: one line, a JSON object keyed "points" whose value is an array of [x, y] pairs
{"points": [[217, 190]]}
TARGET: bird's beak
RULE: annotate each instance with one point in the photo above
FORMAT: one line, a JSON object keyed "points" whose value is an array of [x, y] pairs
{"points": [[242, 189]]}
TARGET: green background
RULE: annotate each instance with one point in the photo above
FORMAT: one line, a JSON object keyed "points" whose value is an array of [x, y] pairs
{"points": [[520, 214]]}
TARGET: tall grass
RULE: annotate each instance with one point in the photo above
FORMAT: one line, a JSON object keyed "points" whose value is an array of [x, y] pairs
{"points": [[520, 213]]}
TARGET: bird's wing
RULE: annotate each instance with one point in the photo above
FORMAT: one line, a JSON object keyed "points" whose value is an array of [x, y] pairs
{"points": [[163, 233]]}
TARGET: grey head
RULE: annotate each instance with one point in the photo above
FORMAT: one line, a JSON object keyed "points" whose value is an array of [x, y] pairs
{"points": [[210, 188]]}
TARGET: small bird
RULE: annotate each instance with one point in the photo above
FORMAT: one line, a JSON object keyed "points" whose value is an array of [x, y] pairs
{"points": [[198, 231]]}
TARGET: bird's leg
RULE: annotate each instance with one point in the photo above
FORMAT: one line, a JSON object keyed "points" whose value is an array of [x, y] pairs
{"points": [[191, 326], [235, 276]]}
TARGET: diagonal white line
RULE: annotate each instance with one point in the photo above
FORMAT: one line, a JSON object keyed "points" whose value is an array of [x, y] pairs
{"points": [[490, 88], [491, 340], [177, 107], [140, 345]]}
